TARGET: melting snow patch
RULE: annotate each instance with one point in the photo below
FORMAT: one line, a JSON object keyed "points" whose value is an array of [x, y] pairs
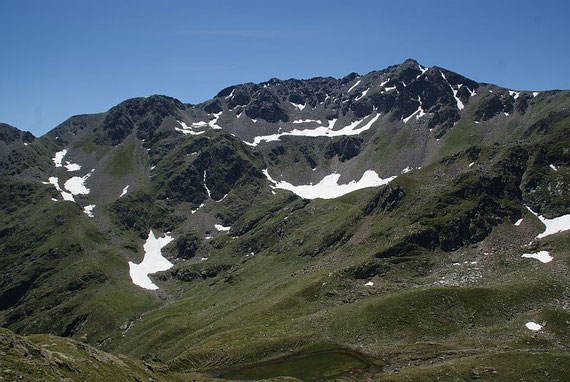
{"points": [[533, 326], [406, 170], [213, 122], [305, 121], [328, 187], [363, 94], [124, 191], [298, 106], [152, 262], [353, 128], [188, 129], [460, 105], [471, 164], [58, 157], [221, 228], [76, 185], [514, 94], [534, 94], [207, 189], [423, 70], [200, 206], [55, 182], [89, 210], [353, 86], [369, 283], [72, 166], [542, 256], [553, 167], [559, 224], [518, 222], [506, 114], [418, 113]]}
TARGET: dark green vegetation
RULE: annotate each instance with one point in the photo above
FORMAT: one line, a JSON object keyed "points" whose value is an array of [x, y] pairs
{"points": [[285, 287]]}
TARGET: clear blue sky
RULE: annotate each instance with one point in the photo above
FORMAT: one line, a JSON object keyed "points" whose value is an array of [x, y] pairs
{"points": [[60, 58]]}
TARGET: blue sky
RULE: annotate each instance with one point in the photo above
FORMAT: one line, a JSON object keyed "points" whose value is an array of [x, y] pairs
{"points": [[60, 58]]}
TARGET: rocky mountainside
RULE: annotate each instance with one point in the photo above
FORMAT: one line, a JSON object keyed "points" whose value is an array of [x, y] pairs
{"points": [[401, 223]]}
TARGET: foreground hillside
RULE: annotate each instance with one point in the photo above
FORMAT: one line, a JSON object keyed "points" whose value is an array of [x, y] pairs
{"points": [[409, 223]]}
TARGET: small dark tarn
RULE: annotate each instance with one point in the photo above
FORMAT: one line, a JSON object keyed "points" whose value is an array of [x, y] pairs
{"points": [[320, 365]]}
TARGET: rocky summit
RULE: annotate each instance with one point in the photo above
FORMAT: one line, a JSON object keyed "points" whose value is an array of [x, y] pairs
{"points": [[405, 224]]}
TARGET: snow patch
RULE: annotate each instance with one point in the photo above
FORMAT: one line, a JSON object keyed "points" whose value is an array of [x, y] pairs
{"points": [[76, 185], [353, 86], [471, 164], [205, 186], [306, 121], [533, 326], [553, 167], [89, 210], [514, 94], [423, 70], [152, 262], [55, 182], [221, 228], [559, 224], [363, 94], [534, 94], [460, 105], [542, 256], [518, 222], [72, 167], [124, 192], [188, 129], [58, 157], [418, 113], [298, 106], [369, 283], [353, 128], [328, 187]]}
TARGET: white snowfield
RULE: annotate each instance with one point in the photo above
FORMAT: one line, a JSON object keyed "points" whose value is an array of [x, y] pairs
{"points": [[152, 262], [124, 192], [58, 158], [76, 185], [418, 113], [353, 128], [73, 186], [55, 182], [460, 105], [533, 326], [328, 187], [298, 105], [188, 129], [353, 86], [559, 224], [221, 228], [542, 256], [306, 121], [89, 210]]}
